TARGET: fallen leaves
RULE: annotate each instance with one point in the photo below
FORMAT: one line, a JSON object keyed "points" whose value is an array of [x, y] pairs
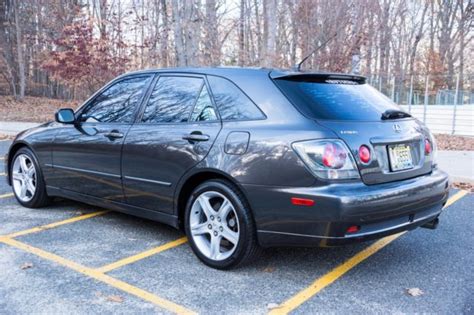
{"points": [[464, 186], [26, 265], [454, 143], [109, 298], [269, 269], [272, 306], [6, 137], [415, 292], [31, 109], [115, 298]]}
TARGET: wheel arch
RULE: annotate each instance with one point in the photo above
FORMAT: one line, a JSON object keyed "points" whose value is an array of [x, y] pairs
{"points": [[193, 180], [11, 154]]}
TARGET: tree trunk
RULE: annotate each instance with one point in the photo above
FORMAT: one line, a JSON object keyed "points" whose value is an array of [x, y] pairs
{"points": [[164, 35], [270, 31], [211, 43], [241, 34], [178, 35], [19, 47]]}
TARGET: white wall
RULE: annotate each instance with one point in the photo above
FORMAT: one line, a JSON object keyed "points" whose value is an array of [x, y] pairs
{"points": [[439, 118]]}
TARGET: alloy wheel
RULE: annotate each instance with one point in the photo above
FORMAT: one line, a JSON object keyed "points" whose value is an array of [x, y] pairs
{"points": [[24, 178], [214, 225]]}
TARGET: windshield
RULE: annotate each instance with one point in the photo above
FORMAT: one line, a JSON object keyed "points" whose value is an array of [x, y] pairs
{"points": [[337, 100]]}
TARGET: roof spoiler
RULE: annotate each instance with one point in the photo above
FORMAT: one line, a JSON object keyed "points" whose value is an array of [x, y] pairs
{"points": [[319, 75]]}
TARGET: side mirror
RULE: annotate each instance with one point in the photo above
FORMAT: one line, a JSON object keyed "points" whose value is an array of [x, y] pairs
{"points": [[65, 116]]}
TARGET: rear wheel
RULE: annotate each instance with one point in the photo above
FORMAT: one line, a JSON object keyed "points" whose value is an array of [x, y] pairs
{"points": [[27, 180], [219, 225]]}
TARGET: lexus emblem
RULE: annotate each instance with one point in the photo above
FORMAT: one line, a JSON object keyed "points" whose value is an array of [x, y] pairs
{"points": [[397, 128]]}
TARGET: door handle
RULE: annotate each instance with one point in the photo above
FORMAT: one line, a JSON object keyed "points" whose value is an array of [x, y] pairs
{"points": [[196, 136], [114, 134]]}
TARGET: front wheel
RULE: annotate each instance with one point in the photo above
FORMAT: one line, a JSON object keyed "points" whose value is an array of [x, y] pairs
{"points": [[219, 225], [27, 180]]}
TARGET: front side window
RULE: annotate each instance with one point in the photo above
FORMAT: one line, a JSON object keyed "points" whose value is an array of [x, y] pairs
{"points": [[117, 103], [231, 102], [172, 99]]}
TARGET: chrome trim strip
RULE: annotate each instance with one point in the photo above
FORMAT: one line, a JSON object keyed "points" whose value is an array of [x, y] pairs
{"points": [[86, 171], [148, 181]]}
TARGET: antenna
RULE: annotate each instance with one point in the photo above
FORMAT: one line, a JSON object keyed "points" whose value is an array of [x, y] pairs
{"points": [[297, 67]]}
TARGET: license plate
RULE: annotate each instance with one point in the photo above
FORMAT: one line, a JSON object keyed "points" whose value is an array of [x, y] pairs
{"points": [[400, 157]]}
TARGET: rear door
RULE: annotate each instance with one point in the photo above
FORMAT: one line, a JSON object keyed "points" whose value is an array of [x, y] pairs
{"points": [[86, 155], [177, 128]]}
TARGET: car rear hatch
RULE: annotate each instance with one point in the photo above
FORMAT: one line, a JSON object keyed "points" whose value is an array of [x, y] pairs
{"points": [[360, 115]]}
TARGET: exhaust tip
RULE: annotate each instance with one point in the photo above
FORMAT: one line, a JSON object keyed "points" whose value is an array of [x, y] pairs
{"points": [[431, 224]]}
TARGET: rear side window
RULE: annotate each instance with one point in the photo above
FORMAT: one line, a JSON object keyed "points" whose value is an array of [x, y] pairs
{"points": [[231, 102], [343, 100], [203, 110], [172, 99]]}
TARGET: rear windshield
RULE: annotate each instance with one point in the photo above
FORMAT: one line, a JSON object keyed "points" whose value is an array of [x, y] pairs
{"points": [[336, 99]]}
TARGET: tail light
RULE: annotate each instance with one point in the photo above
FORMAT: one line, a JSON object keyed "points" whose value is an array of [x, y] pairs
{"points": [[428, 147], [364, 154], [328, 159]]}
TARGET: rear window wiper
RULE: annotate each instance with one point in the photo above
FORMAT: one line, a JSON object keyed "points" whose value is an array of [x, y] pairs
{"points": [[394, 114]]}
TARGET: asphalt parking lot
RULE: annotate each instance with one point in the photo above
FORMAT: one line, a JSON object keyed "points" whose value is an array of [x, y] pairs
{"points": [[78, 259]]}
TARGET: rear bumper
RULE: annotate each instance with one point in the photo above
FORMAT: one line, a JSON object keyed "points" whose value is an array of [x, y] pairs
{"points": [[379, 210]]}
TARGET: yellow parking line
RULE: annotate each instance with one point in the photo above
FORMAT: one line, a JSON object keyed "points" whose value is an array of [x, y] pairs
{"points": [[456, 197], [142, 255], [327, 279], [6, 195], [56, 224], [121, 285]]}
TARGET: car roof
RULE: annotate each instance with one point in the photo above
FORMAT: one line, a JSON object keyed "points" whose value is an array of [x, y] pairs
{"points": [[221, 71], [229, 71]]}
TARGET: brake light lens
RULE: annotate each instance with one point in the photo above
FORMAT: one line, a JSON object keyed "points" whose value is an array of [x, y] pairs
{"points": [[327, 159], [364, 154], [334, 156], [428, 147]]}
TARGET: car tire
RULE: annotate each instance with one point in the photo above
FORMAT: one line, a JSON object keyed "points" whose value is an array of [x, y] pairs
{"points": [[32, 199], [205, 228]]}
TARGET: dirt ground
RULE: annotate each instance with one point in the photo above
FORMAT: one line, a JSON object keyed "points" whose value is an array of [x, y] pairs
{"points": [[31, 109], [454, 143]]}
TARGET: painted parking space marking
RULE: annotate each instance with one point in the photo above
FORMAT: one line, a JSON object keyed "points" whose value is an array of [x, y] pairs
{"points": [[6, 195], [3, 174], [123, 286], [56, 224], [142, 255], [327, 279]]}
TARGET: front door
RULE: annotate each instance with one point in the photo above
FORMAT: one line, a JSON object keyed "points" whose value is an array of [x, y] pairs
{"points": [[177, 129], [87, 155]]}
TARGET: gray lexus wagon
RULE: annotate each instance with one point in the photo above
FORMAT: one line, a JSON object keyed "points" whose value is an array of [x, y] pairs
{"points": [[239, 158]]}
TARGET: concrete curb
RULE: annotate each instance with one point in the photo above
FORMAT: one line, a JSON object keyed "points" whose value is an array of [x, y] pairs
{"points": [[12, 128]]}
